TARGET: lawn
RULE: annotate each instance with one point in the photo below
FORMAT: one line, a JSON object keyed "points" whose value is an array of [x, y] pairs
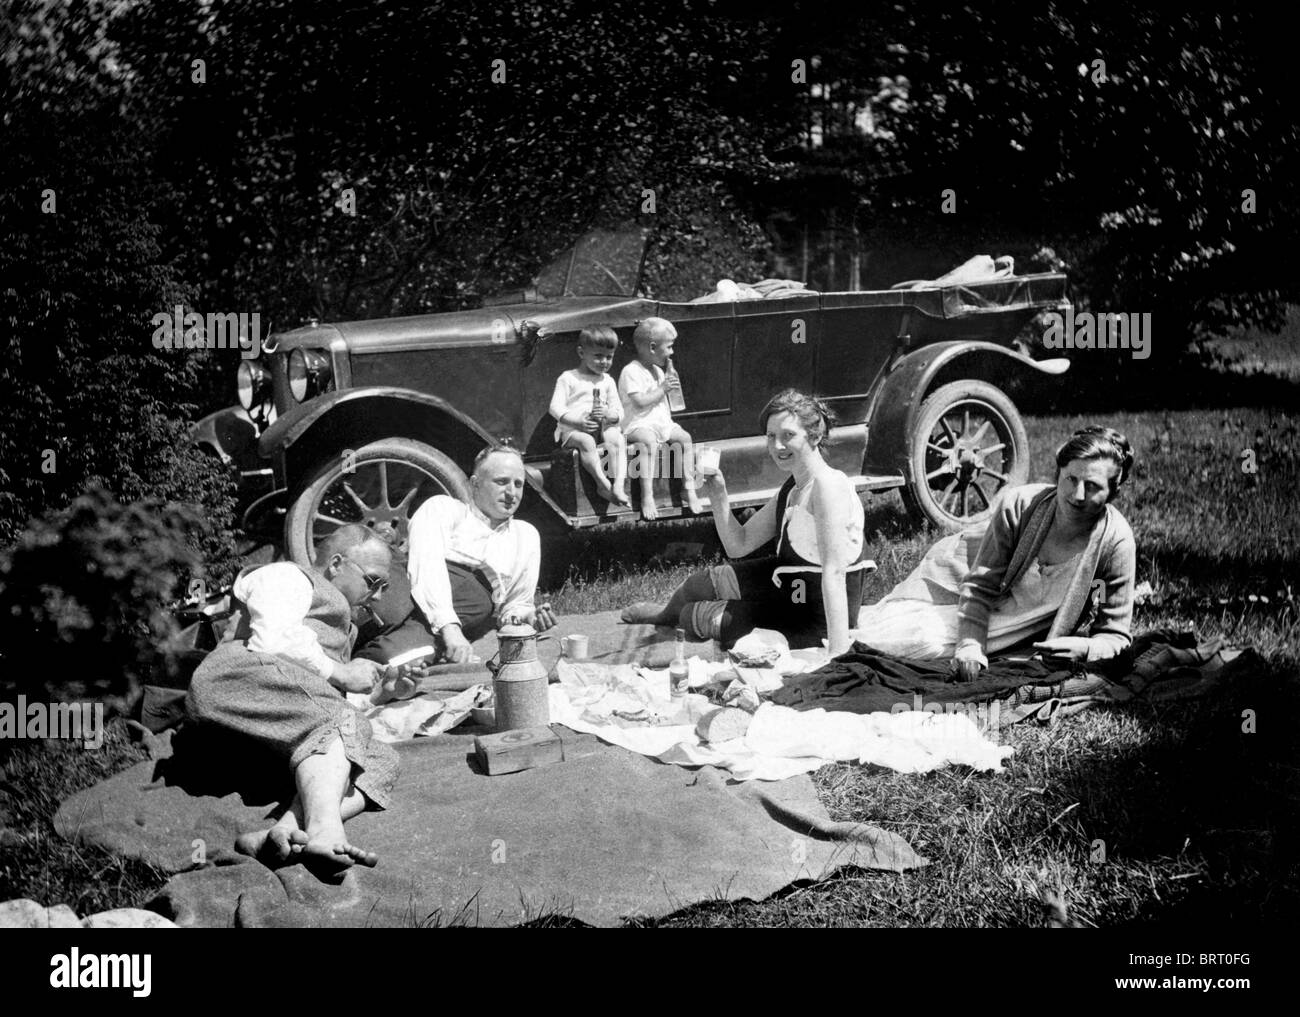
{"points": [[1134, 814]]}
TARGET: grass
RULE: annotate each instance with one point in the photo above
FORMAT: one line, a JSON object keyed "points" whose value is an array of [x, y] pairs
{"points": [[1129, 815], [37, 863]]}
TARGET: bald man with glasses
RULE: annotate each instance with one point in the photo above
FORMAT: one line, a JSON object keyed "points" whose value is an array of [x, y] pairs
{"points": [[279, 679]]}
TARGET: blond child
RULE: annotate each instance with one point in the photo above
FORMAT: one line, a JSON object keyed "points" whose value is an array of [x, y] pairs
{"points": [[644, 387], [587, 411]]}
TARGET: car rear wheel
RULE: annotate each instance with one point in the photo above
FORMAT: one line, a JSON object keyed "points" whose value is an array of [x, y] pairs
{"points": [[387, 482], [969, 443]]}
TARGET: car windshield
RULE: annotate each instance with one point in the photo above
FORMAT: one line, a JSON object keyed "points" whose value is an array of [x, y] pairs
{"points": [[602, 263]]}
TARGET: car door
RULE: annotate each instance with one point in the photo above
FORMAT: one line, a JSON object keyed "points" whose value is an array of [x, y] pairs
{"points": [[859, 333], [776, 348], [702, 356]]}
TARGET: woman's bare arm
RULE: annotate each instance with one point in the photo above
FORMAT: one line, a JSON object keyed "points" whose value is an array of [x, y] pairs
{"points": [[739, 539], [833, 518]]}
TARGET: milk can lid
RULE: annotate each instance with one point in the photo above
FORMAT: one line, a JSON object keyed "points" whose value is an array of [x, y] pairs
{"points": [[515, 632]]}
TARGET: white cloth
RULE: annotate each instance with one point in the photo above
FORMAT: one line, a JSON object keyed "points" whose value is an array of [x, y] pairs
{"points": [[780, 742], [635, 378], [445, 529], [573, 394], [924, 631], [278, 599]]}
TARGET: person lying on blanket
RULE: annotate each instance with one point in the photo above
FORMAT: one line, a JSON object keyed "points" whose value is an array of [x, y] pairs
{"points": [[1055, 560], [811, 588], [279, 678], [472, 567]]}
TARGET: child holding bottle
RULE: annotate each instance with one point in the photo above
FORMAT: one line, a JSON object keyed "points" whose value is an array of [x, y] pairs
{"points": [[587, 411]]}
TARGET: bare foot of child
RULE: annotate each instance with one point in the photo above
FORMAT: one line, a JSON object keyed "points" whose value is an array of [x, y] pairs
{"points": [[694, 504], [648, 511], [621, 497]]}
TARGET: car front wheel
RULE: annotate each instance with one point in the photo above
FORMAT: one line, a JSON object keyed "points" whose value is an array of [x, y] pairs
{"points": [[968, 444], [380, 487]]}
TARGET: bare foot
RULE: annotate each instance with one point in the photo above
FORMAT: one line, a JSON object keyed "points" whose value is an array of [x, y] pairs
{"points": [[694, 504], [329, 856], [643, 612], [649, 511], [621, 496], [274, 847]]}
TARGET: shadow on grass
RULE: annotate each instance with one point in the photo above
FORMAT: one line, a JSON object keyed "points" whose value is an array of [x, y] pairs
{"points": [[1210, 788]]}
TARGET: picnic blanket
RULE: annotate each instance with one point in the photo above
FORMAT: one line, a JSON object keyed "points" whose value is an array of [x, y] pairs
{"points": [[603, 836]]}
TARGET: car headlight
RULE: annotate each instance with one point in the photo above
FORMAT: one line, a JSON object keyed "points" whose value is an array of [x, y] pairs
{"points": [[309, 373], [253, 383]]}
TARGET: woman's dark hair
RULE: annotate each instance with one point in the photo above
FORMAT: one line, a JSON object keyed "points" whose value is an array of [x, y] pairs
{"points": [[1098, 443], [813, 414]]}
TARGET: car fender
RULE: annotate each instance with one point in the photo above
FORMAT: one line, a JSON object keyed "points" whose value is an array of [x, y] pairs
{"points": [[229, 433], [898, 398], [301, 437]]}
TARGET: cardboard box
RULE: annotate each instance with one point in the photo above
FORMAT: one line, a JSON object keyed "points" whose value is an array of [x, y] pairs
{"points": [[522, 749]]}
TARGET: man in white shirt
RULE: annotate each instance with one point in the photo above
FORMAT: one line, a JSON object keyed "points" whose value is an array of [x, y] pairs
{"points": [[472, 567], [279, 680]]}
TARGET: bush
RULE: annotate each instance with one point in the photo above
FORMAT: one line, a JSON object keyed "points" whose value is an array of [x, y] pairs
{"points": [[85, 597]]}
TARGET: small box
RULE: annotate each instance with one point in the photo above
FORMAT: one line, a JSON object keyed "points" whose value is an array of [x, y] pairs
{"points": [[522, 749]]}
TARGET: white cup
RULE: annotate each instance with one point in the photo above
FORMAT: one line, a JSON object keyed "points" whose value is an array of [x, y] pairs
{"points": [[707, 459], [575, 646]]}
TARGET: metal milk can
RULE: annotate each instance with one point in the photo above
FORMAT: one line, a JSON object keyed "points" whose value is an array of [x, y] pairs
{"points": [[519, 680]]}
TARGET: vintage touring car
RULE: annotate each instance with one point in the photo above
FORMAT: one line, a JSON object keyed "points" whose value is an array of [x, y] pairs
{"points": [[360, 421]]}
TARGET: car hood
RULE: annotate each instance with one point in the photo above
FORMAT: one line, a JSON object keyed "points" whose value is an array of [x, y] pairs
{"points": [[486, 326]]}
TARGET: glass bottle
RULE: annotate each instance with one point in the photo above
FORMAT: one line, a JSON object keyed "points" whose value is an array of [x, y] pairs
{"points": [[678, 671], [676, 403]]}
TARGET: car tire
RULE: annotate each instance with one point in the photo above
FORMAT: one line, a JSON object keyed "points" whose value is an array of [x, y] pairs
{"points": [[392, 478], [968, 444]]}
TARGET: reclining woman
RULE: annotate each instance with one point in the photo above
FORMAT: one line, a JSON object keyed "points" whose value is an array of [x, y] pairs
{"points": [[1055, 559], [810, 589]]}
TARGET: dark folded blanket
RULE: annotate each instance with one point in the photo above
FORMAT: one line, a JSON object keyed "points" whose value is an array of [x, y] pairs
{"points": [[1161, 663]]}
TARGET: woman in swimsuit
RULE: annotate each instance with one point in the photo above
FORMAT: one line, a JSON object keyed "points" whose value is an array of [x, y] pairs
{"points": [[810, 589]]}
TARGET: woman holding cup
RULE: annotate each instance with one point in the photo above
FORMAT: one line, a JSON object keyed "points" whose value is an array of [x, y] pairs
{"points": [[810, 589]]}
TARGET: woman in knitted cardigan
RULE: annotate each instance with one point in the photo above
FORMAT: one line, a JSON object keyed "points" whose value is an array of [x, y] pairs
{"points": [[1056, 559]]}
